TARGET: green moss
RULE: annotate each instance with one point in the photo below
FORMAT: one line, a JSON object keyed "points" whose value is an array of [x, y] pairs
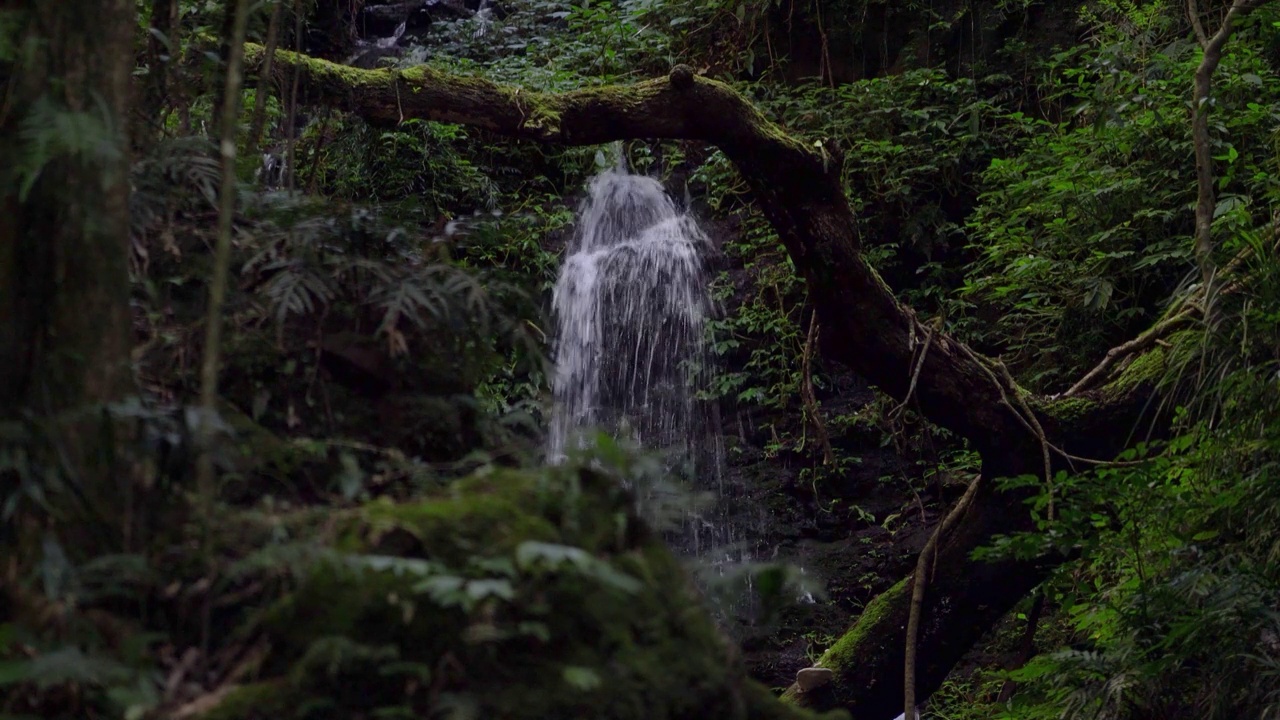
{"points": [[514, 639], [1068, 409], [761, 705], [490, 513], [1148, 367], [543, 116], [847, 651], [256, 701], [323, 71]]}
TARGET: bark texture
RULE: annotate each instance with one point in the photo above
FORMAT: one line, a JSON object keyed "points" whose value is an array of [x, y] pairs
{"points": [[162, 41], [64, 247], [64, 188], [797, 185], [1201, 103]]}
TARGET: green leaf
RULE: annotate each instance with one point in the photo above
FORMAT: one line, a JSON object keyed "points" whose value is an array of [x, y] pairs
{"points": [[14, 671], [441, 587], [532, 552], [581, 678], [481, 589], [350, 476]]}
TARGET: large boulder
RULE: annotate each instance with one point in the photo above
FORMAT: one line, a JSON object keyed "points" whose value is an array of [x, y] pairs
{"points": [[510, 594]]}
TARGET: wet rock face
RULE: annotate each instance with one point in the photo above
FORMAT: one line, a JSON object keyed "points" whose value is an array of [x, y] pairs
{"points": [[381, 19], [462, 7], [371, 58], [386, 29]]}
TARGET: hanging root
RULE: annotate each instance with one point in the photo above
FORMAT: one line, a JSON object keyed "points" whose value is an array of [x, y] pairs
{"points": [[924, 564], [917, 363], [810, 398]]}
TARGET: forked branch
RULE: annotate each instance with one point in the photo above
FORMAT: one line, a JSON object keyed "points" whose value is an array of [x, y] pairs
{"points": [[1201, 102]]}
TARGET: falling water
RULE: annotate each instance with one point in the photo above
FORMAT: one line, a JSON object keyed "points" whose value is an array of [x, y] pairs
{"points": [[631, 306], [390, 42]]}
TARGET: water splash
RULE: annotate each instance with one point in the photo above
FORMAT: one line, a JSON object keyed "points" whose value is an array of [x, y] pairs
{"points": [[631, 307], [483, 19], [390, 41]]}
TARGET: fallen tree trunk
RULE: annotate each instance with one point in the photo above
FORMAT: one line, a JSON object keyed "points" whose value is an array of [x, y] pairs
{"points": [[965, 597], [797, 185]]}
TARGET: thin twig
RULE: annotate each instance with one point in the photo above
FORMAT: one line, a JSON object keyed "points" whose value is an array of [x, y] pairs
{"points": [[264, 80], [291, 149], [1039, 433], [1028, 424], [917, 365], [1145, 340], [810, 398], [1193, 11], [1200, 102]]}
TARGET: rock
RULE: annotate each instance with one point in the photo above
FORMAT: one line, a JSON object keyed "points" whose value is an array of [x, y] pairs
{"points": [[813, 677], [452, 9], [682, 77], [371, 59], [524, 595], [381, 20], [377, 21]]}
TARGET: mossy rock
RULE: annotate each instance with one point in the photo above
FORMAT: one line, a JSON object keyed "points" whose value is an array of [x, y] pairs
{"points": [[510, 594]]}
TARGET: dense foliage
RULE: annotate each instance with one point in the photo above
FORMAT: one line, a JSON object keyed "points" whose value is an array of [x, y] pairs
{"points": [[386, 369]]}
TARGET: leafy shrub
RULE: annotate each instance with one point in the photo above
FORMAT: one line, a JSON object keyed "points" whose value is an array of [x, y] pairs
{"points": [[1086, 232]]}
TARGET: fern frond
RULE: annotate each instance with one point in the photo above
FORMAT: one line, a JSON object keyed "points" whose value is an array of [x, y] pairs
{"points": [[51, 131], [297, 290]]}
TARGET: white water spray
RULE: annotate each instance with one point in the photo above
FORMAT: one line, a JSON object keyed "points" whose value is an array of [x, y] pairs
{"points": [[631, 306]]}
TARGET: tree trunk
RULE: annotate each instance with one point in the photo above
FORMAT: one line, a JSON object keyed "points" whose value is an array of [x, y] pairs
{"points": [[64, 227], [797, 185], [162, 45], [1201, 104]]}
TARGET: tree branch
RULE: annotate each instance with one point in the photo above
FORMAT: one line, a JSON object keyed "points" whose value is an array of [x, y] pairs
{"points": [[1143, 342], [924, 568], [1193, 11], [1200, 103]]}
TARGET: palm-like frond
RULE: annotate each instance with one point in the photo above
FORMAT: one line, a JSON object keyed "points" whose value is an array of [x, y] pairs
{"points": [[177, 174], [308, 270], [296, 289]]}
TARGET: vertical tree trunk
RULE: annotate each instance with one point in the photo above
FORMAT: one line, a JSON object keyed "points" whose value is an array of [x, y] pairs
{"points": [[64, 206], [162, 45], [1201, 100]]}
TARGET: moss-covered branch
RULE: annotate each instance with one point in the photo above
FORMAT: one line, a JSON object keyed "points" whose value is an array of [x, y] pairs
{"points": [[679, 106]]}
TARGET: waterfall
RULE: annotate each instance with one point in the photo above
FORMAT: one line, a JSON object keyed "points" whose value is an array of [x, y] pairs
{"points": [[390, 42], [631, 306]]}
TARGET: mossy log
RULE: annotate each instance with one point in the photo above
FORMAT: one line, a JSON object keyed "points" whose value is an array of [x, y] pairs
{"points": [[797, 185], [512, 595]]}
